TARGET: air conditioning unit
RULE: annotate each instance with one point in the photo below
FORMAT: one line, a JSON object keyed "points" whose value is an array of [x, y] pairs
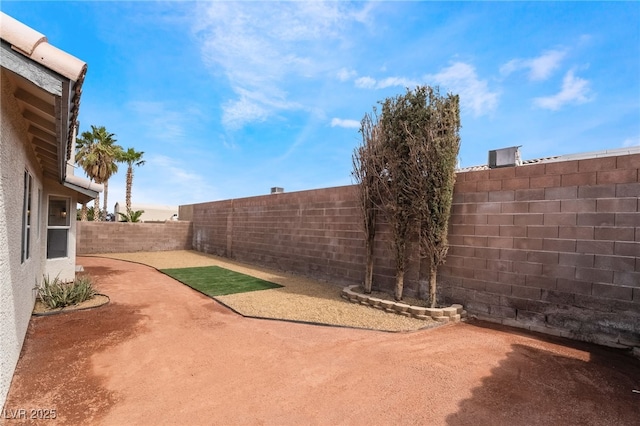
{"points": [[505, 157], [277, 190]]}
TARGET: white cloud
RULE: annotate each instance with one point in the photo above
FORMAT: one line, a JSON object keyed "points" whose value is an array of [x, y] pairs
{"points": [[179, 183], [161, 121], [633, 141], [540, 68], [396, 82], [348, 124], [238, 112], [365, 83], [261, 47], [345, 74], [459, 78], [575, 90], [462, 79], [371, 83]]}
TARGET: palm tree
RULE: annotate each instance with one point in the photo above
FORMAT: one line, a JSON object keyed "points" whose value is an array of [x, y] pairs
{"points": [[131, 216], [97, 154], [131, 157]]}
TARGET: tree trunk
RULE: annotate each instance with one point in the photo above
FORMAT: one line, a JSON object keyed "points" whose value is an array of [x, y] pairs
{"points": [[83, 213], [129, 184], [432, 284], [106, 193], [96, 208], [423, 279], [399, 284], [368, 278]]}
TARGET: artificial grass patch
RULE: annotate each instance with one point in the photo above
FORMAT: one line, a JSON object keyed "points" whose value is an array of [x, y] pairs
{"points": [[217, 281]]}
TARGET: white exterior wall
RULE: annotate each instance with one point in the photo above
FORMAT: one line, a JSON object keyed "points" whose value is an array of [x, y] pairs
{"points": [[17, 279]]}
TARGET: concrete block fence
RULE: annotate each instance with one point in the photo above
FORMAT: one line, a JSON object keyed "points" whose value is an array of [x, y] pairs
{"points": [[552, 247], [122, 237]]}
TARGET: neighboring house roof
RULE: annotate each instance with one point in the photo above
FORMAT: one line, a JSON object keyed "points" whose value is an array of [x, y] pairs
{"points": [[151, 212], [568, 157], [48, 85]]}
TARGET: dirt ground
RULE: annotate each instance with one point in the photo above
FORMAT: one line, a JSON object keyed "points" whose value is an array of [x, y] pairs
{"points": [[161, 353], [301, 299]]}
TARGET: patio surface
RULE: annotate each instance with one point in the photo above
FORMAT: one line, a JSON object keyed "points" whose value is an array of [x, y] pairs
{"points": [[161, 353]]}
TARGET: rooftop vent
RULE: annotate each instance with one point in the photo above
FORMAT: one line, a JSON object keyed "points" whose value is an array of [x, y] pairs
{"points": [[505, 157], [277, 190]]}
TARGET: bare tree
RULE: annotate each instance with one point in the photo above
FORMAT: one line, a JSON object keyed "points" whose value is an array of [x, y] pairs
{"points": [[366, 174]]}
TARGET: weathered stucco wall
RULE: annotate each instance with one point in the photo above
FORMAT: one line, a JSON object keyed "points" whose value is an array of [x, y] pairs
{"points": [[551, 247], [122, 237]]}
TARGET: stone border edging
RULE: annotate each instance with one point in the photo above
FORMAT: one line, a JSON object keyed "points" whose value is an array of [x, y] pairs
{"points": [[453, 313], [71, 308]]}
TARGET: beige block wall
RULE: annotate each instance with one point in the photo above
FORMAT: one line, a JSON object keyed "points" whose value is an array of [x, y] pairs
{"points": [[551, 247], [123, 237]]}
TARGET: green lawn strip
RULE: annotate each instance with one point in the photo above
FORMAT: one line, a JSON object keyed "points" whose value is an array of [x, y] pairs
{"points": [[217, 281]]}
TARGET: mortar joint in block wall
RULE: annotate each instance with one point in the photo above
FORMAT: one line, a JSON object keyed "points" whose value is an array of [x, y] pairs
{"points": [[453, 313]]}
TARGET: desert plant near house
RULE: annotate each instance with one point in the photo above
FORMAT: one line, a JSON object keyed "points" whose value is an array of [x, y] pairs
{"points": [[57, 294]]}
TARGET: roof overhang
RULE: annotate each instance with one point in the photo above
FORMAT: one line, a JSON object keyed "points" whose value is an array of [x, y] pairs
{"points": [[47, 85], [40, 94], [86, 189]]}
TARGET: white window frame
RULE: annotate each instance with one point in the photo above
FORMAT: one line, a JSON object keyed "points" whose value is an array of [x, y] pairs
{"points": [[26, 217], [39, 222], [54, 215]]}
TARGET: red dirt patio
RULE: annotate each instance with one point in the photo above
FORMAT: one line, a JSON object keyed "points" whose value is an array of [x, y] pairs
{"points": [[161, 353]]}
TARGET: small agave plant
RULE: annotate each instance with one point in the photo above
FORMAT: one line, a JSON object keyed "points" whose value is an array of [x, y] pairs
{"points": [[58, 294]]}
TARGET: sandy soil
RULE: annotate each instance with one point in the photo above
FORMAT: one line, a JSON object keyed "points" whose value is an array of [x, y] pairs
{"points": [[301, 299], [163, 354]]}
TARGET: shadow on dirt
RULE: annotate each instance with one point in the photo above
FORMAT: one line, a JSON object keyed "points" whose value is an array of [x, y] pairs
{"points": [[56, 360], [536, 386]]}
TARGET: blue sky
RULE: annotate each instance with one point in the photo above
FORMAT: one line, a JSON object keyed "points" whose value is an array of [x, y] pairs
{"points": [[228, 99]]}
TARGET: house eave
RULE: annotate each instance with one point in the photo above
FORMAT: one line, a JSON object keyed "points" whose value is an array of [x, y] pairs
{"points": [[87, 190]]}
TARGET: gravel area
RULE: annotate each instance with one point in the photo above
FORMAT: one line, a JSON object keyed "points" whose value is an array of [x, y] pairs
{"points": [[300, 298]]}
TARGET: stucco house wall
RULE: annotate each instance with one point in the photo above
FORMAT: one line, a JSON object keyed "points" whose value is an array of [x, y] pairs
{"points": [[40, 97], [18, 279]]}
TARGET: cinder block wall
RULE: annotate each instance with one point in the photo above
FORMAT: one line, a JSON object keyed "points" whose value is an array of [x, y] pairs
{"points": [[551, 247], [315, 233], [121, 237]]}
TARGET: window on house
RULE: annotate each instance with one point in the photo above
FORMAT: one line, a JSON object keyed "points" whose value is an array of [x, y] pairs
{"points": [[26, 217], [58, 227], [39, 220]]}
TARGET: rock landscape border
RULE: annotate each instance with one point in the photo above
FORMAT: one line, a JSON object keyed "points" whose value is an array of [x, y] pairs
{"points": [[453, 313]]}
